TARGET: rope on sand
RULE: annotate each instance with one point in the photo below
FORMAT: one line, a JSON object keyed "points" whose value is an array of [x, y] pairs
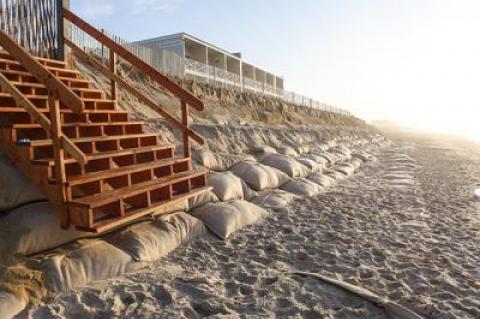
{"points": [[393, 309]]}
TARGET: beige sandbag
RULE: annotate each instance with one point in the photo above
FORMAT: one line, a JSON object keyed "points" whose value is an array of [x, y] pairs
{"points": [[336, 175], [33, 228], [15, 188], [202, 199], [78, 264], [152, 240], [357, 163], [259, 176], [322, 180], [330, 158], [224, 218], [10, 306], [265, 149], [288, 151], [363, 156], [345, 168], [226, 185], [286, 164], [322, 147], [218, 162], [310, 162], [302, 186], [274, 199], [248, 193]]}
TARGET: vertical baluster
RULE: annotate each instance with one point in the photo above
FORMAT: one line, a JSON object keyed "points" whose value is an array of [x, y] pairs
{"points": [[59, 155], [113, 68], [186, 138]]}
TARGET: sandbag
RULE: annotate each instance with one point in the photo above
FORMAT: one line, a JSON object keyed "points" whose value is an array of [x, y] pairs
{"points": [[226, 185], [336, 175], [15, 188], [286, 164], [224, 218], [259, 176], [302, 186], [357, 163], [322, 147], [149, 241], [322, 180], [274, 199], [330, 158], [310, 162], [288, 151], [363, 156], [202, 199], [261, 150], [33, 228], [218, 162], [248, 193], [83, 262], [345, 152], [10, 306], [345, 168]]}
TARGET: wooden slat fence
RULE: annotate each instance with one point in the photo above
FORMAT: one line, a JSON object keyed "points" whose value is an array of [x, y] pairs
{"points": [[34, 24]]}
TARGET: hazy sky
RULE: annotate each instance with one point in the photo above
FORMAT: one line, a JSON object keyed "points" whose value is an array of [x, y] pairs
{"points": [[416, 62]]}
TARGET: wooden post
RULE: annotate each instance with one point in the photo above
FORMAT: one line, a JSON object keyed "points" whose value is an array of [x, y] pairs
{"points": [[186, 138], [113, 69], [59, 155]]}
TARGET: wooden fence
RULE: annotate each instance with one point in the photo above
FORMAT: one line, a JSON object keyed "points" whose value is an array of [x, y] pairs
{"points": [[34, 24]]}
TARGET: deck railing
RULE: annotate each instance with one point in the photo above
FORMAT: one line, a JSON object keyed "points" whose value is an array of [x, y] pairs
{"points": [[101, 41]]}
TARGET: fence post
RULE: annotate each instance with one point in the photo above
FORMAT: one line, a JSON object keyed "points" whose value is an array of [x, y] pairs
{"points": [[60, 51]]}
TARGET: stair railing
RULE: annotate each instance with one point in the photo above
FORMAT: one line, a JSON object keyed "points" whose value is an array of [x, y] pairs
{"points": [[57, 92], [116, 50]]}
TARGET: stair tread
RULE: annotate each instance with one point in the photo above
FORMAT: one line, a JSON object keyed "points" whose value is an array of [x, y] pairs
{"points": [[22, 110], [48, 67], [109, 154], [6, 54], [90, 177], [58, 77], [101, 199], [115, 222], [41, 86], [45, 97], [34, 125], [46, 142]]}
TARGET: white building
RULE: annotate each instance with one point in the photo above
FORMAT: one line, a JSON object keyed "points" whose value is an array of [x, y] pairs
{"points": [[209, 63]]}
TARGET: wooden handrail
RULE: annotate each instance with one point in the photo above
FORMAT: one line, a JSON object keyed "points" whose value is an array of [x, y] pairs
{"points": [[41, 73], [41, 119], [171, 86], [148, 101]]}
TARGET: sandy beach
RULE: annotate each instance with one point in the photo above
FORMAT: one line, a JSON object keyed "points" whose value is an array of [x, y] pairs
{"points": [[405, 227]]}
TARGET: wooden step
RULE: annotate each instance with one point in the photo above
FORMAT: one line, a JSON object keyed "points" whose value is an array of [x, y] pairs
{"points": [[18, 115], [59, 73], [85, 219], [111, 160], [56, 63], [6, 65], [78, 130], [19, 76], [41, 101], [91, 145], [40, 89], [100, 182]]}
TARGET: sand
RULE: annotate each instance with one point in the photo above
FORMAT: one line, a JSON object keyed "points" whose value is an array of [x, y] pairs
{"points": [[404, 227], [412, 238]]}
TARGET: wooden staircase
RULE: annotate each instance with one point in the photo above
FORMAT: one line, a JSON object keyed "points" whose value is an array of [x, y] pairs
{"points": [[98, 167]]}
